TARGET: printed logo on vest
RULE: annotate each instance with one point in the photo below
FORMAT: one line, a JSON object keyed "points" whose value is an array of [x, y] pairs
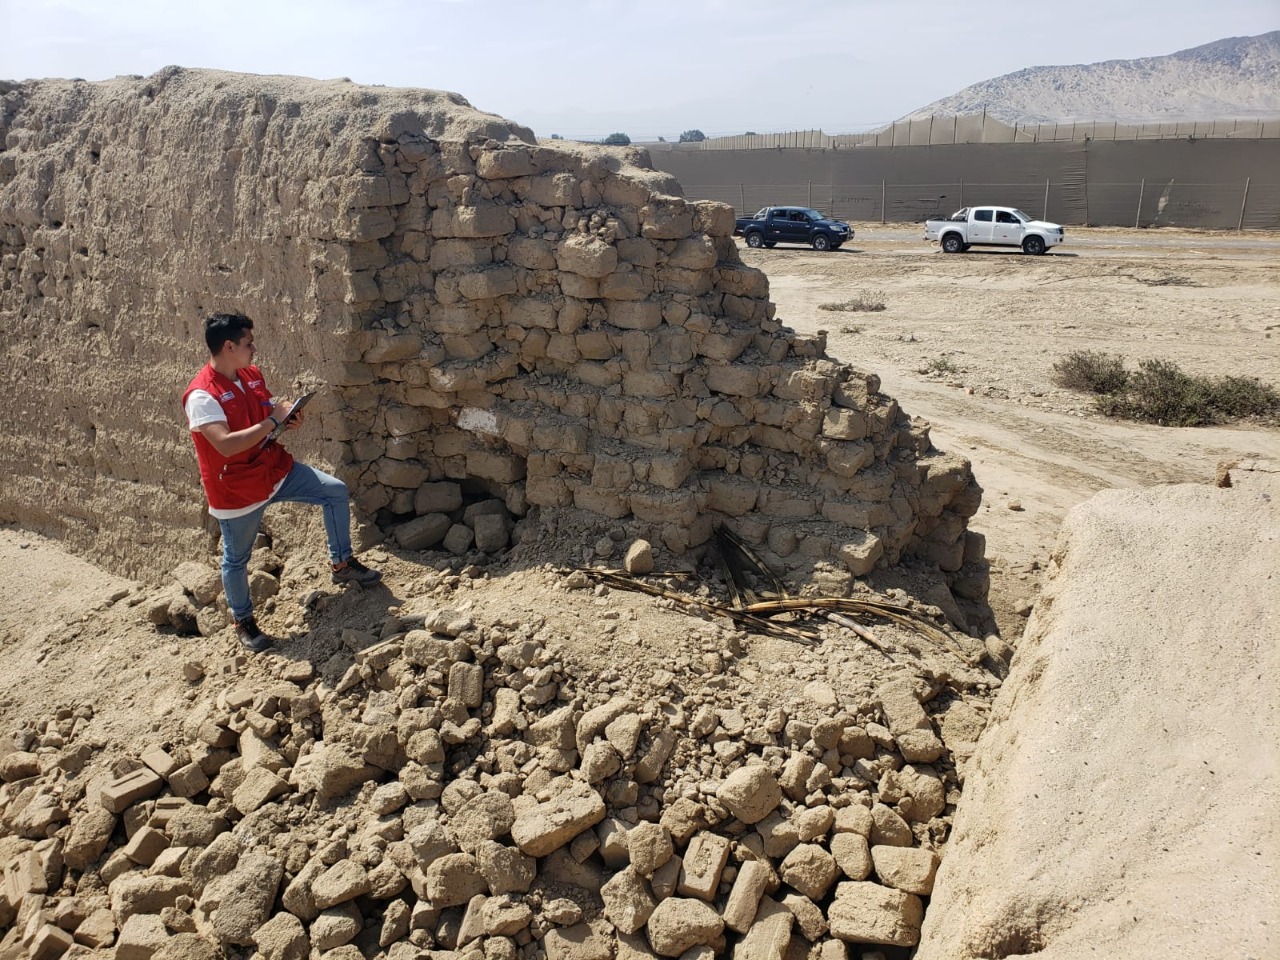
{"points": [[227, 396]]}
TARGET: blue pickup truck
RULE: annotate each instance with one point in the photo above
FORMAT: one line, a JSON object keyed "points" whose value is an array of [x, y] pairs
{"points": [[774, 225]]}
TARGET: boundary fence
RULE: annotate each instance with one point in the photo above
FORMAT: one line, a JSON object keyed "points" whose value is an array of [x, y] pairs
{"points": [[1214, 184], [980, 128], [1150, 204]]}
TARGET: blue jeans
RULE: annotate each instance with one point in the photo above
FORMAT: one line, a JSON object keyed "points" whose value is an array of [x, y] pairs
{"points": [[303, 485]]}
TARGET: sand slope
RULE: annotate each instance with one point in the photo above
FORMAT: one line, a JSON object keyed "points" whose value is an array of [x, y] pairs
{"points": [[1123, 799]]}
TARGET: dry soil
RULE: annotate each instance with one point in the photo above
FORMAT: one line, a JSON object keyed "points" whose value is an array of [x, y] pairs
{"points": [[967, 342]]}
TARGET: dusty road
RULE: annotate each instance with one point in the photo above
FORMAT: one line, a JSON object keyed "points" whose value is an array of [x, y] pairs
{"points": [[968, 342]]}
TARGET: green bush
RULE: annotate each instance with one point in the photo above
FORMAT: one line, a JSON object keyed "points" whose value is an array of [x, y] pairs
{"points": [[1160, 392], [1238, 398], [1091, 372]]}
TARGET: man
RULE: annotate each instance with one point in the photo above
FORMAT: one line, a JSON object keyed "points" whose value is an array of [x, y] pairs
{"points": [[230, 413]]}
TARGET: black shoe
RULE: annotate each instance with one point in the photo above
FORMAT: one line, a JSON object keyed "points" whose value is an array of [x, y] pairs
{"points": [[250, 637], [353, 571]]}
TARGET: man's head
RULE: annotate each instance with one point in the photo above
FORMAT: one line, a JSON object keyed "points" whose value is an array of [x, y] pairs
{"points": [[223, 327]]}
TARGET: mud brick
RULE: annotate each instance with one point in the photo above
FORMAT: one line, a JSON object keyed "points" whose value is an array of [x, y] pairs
{"points": [[140, 937], [466, 683], [50, 942], [188, 781], [136, 817], [230, 667], [380, 655], [10, 898], [97, 930], [164, 810], [261, 725], [26, 875], [704, 861], [69, 912], [147, 844], [259, 787], [304, 706], [117, 795], [238, 697], [169, 862], [216, 735], [160, 761]]}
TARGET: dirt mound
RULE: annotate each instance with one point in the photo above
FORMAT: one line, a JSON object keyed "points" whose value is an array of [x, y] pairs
{"points": [[1129, 771]]}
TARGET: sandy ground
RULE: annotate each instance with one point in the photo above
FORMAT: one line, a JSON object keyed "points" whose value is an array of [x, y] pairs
{"points": [[968, 342], [999, 320], [74, 635], [990, 325]]}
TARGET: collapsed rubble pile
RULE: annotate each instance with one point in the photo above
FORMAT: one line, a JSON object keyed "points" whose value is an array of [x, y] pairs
{"points": [[462, 786]]}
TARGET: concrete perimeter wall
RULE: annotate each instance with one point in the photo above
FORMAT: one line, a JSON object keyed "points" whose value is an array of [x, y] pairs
{"points": [[1213, 184], [552, 326]]}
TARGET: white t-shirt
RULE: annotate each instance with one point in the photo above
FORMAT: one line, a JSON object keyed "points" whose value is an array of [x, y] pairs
{"points": [[201, 409]]}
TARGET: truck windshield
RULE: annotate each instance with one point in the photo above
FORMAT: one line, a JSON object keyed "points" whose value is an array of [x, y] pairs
{"points": [[1022, 216], [813, 214], [761, 213]]}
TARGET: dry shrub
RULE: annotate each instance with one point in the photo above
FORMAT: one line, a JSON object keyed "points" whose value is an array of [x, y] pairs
{"points": [[864, 301], [1091, 372], [940, 367], [1243, 398], [1160, 392]]}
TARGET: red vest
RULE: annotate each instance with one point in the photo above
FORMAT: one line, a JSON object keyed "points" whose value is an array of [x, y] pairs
{"points": [[251, 475]]}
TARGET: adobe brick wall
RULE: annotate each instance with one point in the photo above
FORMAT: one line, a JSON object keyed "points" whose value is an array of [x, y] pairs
{"points": [[548, 324]]}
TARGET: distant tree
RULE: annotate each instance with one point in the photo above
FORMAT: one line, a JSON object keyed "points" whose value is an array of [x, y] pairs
{"points": [[556, 136], [617, 140], [751, 133], [662, 139], [692, 136]]}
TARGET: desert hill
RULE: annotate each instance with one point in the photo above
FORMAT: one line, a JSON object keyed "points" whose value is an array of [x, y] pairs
{"points": [[1238, 77]]}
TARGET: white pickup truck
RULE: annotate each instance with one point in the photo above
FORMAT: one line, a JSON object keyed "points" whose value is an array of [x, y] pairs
{"points": [[995, 227]]}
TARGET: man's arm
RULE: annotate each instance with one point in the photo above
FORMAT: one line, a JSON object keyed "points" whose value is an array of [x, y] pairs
{"points": [[229, 443]]}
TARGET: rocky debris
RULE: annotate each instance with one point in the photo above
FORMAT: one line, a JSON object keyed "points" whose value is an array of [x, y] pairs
{"points": [[750, 793], [447, 783], [865, 912]]}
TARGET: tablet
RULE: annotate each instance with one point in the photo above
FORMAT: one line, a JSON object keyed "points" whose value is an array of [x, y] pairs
{"points": [[276, 431]]}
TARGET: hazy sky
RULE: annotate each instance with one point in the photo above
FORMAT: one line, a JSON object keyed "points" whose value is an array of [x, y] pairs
{"points": [[646, 68]]}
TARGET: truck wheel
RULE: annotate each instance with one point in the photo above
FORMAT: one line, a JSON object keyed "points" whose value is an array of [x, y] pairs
{"points": [[1033, 245], [952, 243], [821, 242], [755, 240]]}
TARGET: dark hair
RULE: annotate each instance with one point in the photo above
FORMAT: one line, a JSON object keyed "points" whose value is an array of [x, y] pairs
{"points": [[221, 327]]}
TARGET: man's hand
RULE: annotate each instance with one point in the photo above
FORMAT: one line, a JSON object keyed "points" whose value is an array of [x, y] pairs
{"points": [[283, 408]]}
